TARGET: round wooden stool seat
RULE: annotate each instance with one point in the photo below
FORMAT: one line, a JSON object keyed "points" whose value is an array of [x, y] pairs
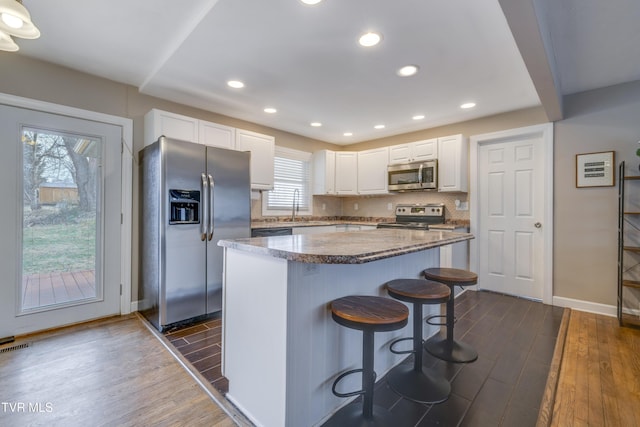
{"points": [[451, 276], [369, 312], [418, 290]]}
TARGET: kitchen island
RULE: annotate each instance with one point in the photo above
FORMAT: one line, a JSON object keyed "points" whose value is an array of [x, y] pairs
{"points": [[281, 349]]}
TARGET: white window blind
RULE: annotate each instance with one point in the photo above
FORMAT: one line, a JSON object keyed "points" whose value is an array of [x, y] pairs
{"points": [[291, 173]]}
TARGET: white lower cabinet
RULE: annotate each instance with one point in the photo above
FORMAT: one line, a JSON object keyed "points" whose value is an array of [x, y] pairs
{"points": [[455, 255], [316, 229]]}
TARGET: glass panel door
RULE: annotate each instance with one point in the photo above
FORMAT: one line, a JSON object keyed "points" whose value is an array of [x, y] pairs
{"points": [[60, 221], [61, 198]]}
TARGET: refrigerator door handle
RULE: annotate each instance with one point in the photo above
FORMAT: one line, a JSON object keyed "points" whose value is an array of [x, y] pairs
{"points": [[204, 187], [211, 185]]}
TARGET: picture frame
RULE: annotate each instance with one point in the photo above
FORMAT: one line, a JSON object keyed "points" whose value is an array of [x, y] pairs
{"points": [[595, 169]]}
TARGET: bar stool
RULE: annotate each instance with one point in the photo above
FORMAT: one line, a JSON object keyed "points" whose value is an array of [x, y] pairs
{"points": [[413, 382], [368, 314], [448, 348]]}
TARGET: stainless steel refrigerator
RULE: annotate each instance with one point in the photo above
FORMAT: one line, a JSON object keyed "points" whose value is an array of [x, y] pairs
{"points": [[191, 197]]}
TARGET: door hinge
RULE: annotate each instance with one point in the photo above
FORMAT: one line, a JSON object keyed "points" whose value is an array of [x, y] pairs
{"points": [[120, 288], [121, 147], [121, 218]]}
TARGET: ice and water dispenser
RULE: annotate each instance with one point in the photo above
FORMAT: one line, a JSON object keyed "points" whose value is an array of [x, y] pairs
{"points": [[184, 207]]}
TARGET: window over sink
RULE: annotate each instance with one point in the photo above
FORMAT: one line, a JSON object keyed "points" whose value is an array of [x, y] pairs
{"points": [[292, 184]]}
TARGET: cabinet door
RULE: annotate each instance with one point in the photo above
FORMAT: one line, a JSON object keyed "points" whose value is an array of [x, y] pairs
{"points": [[315, 229], [262, 152], [215, 135], [425, 150], [372, 171], [452, 164], [399, 154], [171, 125], [346, 172], [324, 172]]}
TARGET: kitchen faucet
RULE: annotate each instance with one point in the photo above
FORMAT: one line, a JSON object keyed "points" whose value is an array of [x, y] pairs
{"points": [[295, 207]]}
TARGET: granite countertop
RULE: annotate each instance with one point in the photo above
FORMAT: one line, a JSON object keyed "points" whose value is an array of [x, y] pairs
{"points": [[347, 247]]}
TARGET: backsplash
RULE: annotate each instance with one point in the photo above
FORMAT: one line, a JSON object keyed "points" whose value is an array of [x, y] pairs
{"points": [[375, 206]]}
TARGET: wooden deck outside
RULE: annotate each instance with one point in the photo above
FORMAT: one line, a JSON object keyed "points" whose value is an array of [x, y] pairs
{"points": [[40, 290]]}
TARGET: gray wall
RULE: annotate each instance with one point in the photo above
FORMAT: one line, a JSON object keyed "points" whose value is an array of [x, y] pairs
{"points": [[586, 219]]}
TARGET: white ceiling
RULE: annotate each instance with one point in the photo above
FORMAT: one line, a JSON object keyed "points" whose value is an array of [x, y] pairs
{"points": [[306, 62]]}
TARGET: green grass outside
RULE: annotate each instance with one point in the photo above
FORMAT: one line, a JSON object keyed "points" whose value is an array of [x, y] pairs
{"points": [[59, 247]]}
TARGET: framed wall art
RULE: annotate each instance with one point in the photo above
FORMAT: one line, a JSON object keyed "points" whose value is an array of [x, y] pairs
{"points": [[595, 169]]}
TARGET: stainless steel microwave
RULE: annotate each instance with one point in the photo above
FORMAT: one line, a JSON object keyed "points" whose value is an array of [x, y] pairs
{"points": [[413, 176]]}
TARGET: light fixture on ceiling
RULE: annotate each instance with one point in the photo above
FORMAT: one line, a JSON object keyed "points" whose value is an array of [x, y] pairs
{"points": [[379, 127], [316, 124], [16, 21], [311, 2], [7, 43], [418, 117], [236, 84], [407, 70], [369, 39], [348, 134], [468, 105], [270, 110]]}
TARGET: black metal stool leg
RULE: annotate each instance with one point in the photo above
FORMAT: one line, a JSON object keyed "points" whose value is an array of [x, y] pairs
{"points": [[368, 379], [414, 382], [448, 348]]}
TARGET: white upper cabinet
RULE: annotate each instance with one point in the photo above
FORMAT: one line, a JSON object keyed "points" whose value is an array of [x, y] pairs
{"points": [[324, 172], [171, 125], [346, 172], [262, 155], [372, 171], [414, 151], [452, 163], [215, 135]]}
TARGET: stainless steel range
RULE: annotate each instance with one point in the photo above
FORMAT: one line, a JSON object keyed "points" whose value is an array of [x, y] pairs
{"points": [[416, 217]]}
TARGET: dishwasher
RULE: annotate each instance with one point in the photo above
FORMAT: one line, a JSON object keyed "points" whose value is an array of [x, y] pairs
{"points": [[268, 232]]}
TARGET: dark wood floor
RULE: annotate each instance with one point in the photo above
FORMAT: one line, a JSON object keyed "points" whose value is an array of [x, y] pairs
{"points": [[200, 344], [515, 339]]}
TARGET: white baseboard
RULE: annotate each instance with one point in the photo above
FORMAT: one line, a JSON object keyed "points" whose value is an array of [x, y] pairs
{"points": [[134, 306], [588, 306]]}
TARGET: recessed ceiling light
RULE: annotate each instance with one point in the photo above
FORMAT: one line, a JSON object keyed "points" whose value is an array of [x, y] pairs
{"points": [[270, 110], [316, 124], [467, 105], [378, 127], [407, 70], [311, 2], [369, 39], [348, 134], [418, 117], [236, 84]]}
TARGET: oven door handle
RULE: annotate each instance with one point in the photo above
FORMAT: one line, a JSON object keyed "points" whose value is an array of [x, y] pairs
{"points": [[420, 175]]}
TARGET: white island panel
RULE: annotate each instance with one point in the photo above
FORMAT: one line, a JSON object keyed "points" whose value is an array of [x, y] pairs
{"points": [[282, 350], [254, 335]]}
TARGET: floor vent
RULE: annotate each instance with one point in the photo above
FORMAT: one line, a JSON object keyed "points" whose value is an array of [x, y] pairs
{"points": [[14, 347]]}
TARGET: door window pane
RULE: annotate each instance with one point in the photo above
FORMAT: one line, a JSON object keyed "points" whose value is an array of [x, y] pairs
{"points": [[61, 205]]}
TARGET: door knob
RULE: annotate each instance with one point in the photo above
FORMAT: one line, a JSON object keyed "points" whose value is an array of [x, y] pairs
{"points": [[537, 225]]}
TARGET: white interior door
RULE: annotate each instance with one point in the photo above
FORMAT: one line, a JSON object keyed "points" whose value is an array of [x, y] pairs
{"points": [[60, 220], [512, 220]]}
